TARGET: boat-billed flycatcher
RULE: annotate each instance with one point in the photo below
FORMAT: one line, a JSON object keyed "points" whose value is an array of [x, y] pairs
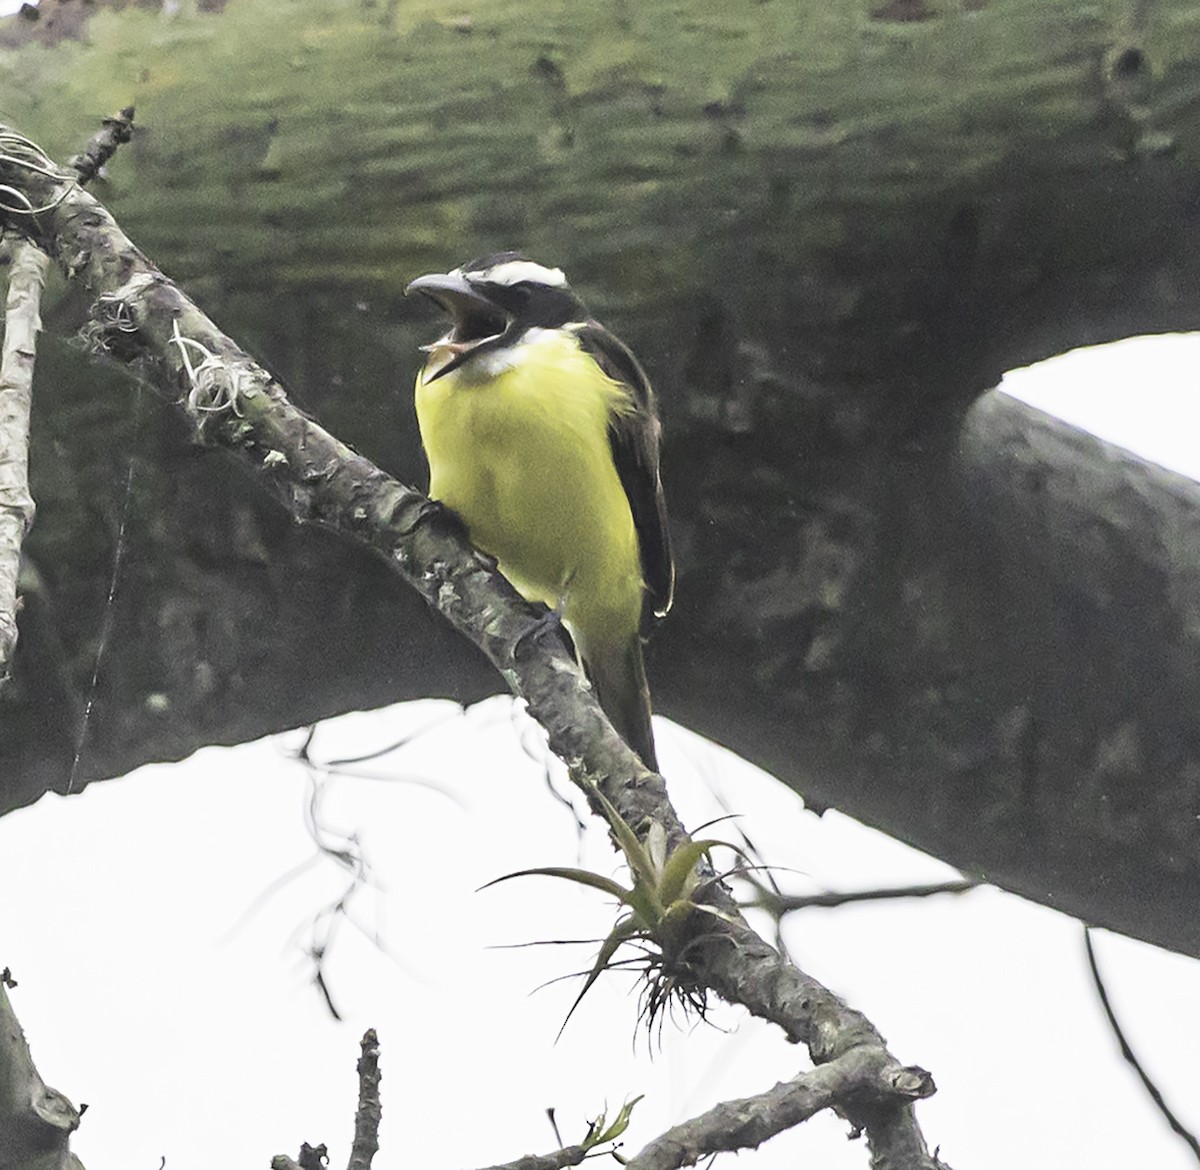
{"points": [[541, 433]]}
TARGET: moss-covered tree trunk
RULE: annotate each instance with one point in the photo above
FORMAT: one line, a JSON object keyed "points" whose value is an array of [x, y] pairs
{"points": [[827, 229]]}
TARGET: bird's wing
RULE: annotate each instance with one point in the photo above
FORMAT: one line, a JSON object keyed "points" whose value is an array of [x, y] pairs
{"points": [[634, 437]]}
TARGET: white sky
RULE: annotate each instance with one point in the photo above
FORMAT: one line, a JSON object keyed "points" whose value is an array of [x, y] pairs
{"points": [[1139, 393], [150, 991]]}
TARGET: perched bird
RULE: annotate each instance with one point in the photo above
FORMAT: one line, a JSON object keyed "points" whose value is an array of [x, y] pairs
{"points": [[541, 433]]}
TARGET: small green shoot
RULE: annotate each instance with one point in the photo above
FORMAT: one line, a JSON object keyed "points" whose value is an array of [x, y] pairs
{"points": [[599, 1132]]}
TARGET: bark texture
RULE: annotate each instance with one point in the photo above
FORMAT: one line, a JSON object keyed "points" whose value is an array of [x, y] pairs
{"points": [[27, 275], [827, 230], [36, 1121]]}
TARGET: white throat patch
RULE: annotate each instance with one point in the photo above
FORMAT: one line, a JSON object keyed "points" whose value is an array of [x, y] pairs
{"points": [[494, 362]]}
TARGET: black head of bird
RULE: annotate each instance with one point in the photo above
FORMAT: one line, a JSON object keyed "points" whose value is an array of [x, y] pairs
{"points": [[492, 302]]}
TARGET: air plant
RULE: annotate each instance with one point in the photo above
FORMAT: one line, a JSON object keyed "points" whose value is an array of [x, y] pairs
{"points": [[663, 907]]}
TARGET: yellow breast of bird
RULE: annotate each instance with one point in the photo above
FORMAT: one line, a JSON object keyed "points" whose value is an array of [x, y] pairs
{"points": [[518, 446]]}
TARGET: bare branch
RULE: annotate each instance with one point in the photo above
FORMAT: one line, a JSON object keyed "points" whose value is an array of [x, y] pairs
{"points": [[370, 1108], [862, 1074], [22, 321], [570, 1156], [113, 132]]}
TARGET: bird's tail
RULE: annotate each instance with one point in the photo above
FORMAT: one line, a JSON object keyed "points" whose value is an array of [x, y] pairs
{"points": [[618, 675]]}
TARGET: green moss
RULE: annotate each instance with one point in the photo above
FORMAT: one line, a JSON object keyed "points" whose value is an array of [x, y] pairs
{"points": [[293, 144]]}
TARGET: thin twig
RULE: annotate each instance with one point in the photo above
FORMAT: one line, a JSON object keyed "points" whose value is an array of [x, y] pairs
{"points": [[1130, 1057], [107, 622], [777, 904]]}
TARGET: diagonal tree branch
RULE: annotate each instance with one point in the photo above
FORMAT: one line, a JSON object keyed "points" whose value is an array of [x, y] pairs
{"points": [[141, 318], [744, 1124]]}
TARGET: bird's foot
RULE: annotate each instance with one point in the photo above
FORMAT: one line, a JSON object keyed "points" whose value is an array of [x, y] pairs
{"points": [[547, 625]]}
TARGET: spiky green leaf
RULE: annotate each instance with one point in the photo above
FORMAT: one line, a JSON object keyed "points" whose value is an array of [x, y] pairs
{"points": [[679, 876], [625, 929], [641, 864], [585, 877]]}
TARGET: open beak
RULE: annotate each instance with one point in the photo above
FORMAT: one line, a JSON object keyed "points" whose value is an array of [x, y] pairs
{"points": [[476, 320]]}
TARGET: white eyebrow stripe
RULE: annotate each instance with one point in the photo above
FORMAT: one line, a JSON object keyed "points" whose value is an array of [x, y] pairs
{"points": [[514, 271]]}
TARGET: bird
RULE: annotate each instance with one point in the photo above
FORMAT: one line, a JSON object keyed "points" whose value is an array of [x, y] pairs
{"points": [[542, 435]]}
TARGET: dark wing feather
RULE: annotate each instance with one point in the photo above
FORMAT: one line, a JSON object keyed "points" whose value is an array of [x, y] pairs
{"points": [[634, 438]]}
